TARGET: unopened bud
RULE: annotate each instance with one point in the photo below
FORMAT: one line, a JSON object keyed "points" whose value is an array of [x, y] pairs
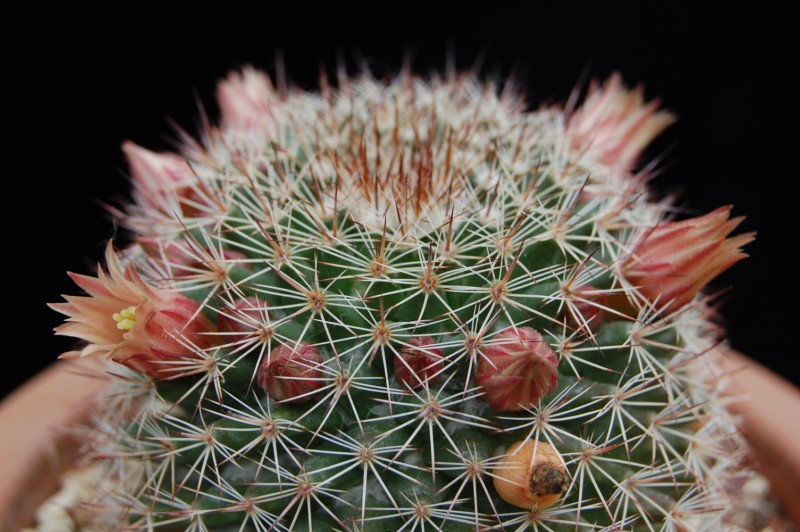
{"points": [[418, 362], [246, 316], [517, 369], [585, 310], [291, 373]]}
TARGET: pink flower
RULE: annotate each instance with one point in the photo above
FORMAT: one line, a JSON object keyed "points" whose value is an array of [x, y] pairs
{"points": [[291, 374], [246, 99], [674, 261], [615, 124], [157, 175], [418, 362], [131, 322], [517, 370]]}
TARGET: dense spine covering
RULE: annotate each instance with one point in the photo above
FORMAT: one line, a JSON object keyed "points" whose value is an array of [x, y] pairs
{"points": [[394, 286]]}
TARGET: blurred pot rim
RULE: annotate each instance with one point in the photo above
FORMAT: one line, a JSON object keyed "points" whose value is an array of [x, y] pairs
{"points": [[34, 454]]}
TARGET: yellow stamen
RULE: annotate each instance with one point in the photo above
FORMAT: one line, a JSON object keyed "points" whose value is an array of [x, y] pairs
{"points": [[125, 318]]}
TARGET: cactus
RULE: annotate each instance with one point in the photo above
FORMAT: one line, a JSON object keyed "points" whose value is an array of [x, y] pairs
{"points": [[408, 304]]}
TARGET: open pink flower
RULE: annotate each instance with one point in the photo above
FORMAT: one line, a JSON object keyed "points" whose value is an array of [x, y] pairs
{"points": [[131, 322], [674, 261], [517, 369], [246, 99], [615, 124]]}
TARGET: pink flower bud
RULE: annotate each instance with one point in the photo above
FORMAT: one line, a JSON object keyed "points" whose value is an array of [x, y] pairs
{"points": [[585, 307], [134, 323], [186, 260], [246, 99], [156, 174], [674, 261], [291, 373], [418, 362], [246, 316], [517, 369], [177, 254], [615, 124]]}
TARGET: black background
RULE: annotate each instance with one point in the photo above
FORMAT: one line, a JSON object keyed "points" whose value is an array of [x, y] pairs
{"points": [[83, 79]]}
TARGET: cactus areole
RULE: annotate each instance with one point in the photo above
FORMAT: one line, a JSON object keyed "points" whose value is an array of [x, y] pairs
{"points": [[407, 304]]}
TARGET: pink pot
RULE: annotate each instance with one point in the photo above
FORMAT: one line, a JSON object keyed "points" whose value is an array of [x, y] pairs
{"points": [[770, 411], [35, 446]]}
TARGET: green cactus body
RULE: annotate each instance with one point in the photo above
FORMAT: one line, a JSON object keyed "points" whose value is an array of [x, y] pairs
{"points": [[357, 222]]}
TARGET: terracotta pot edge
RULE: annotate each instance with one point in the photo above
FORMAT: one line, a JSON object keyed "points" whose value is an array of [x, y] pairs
{"points": [[41, 443], [47, 448], [766, 403]]}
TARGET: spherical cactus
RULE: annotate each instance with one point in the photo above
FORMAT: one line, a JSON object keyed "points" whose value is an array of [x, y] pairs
{"points": [[409, 304]]}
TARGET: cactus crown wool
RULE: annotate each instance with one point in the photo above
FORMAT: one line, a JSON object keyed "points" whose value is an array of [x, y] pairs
{"points": [[354, 309]]}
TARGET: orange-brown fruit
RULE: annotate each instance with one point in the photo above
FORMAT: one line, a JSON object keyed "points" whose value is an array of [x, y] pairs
{"points": [[531, 481]]}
